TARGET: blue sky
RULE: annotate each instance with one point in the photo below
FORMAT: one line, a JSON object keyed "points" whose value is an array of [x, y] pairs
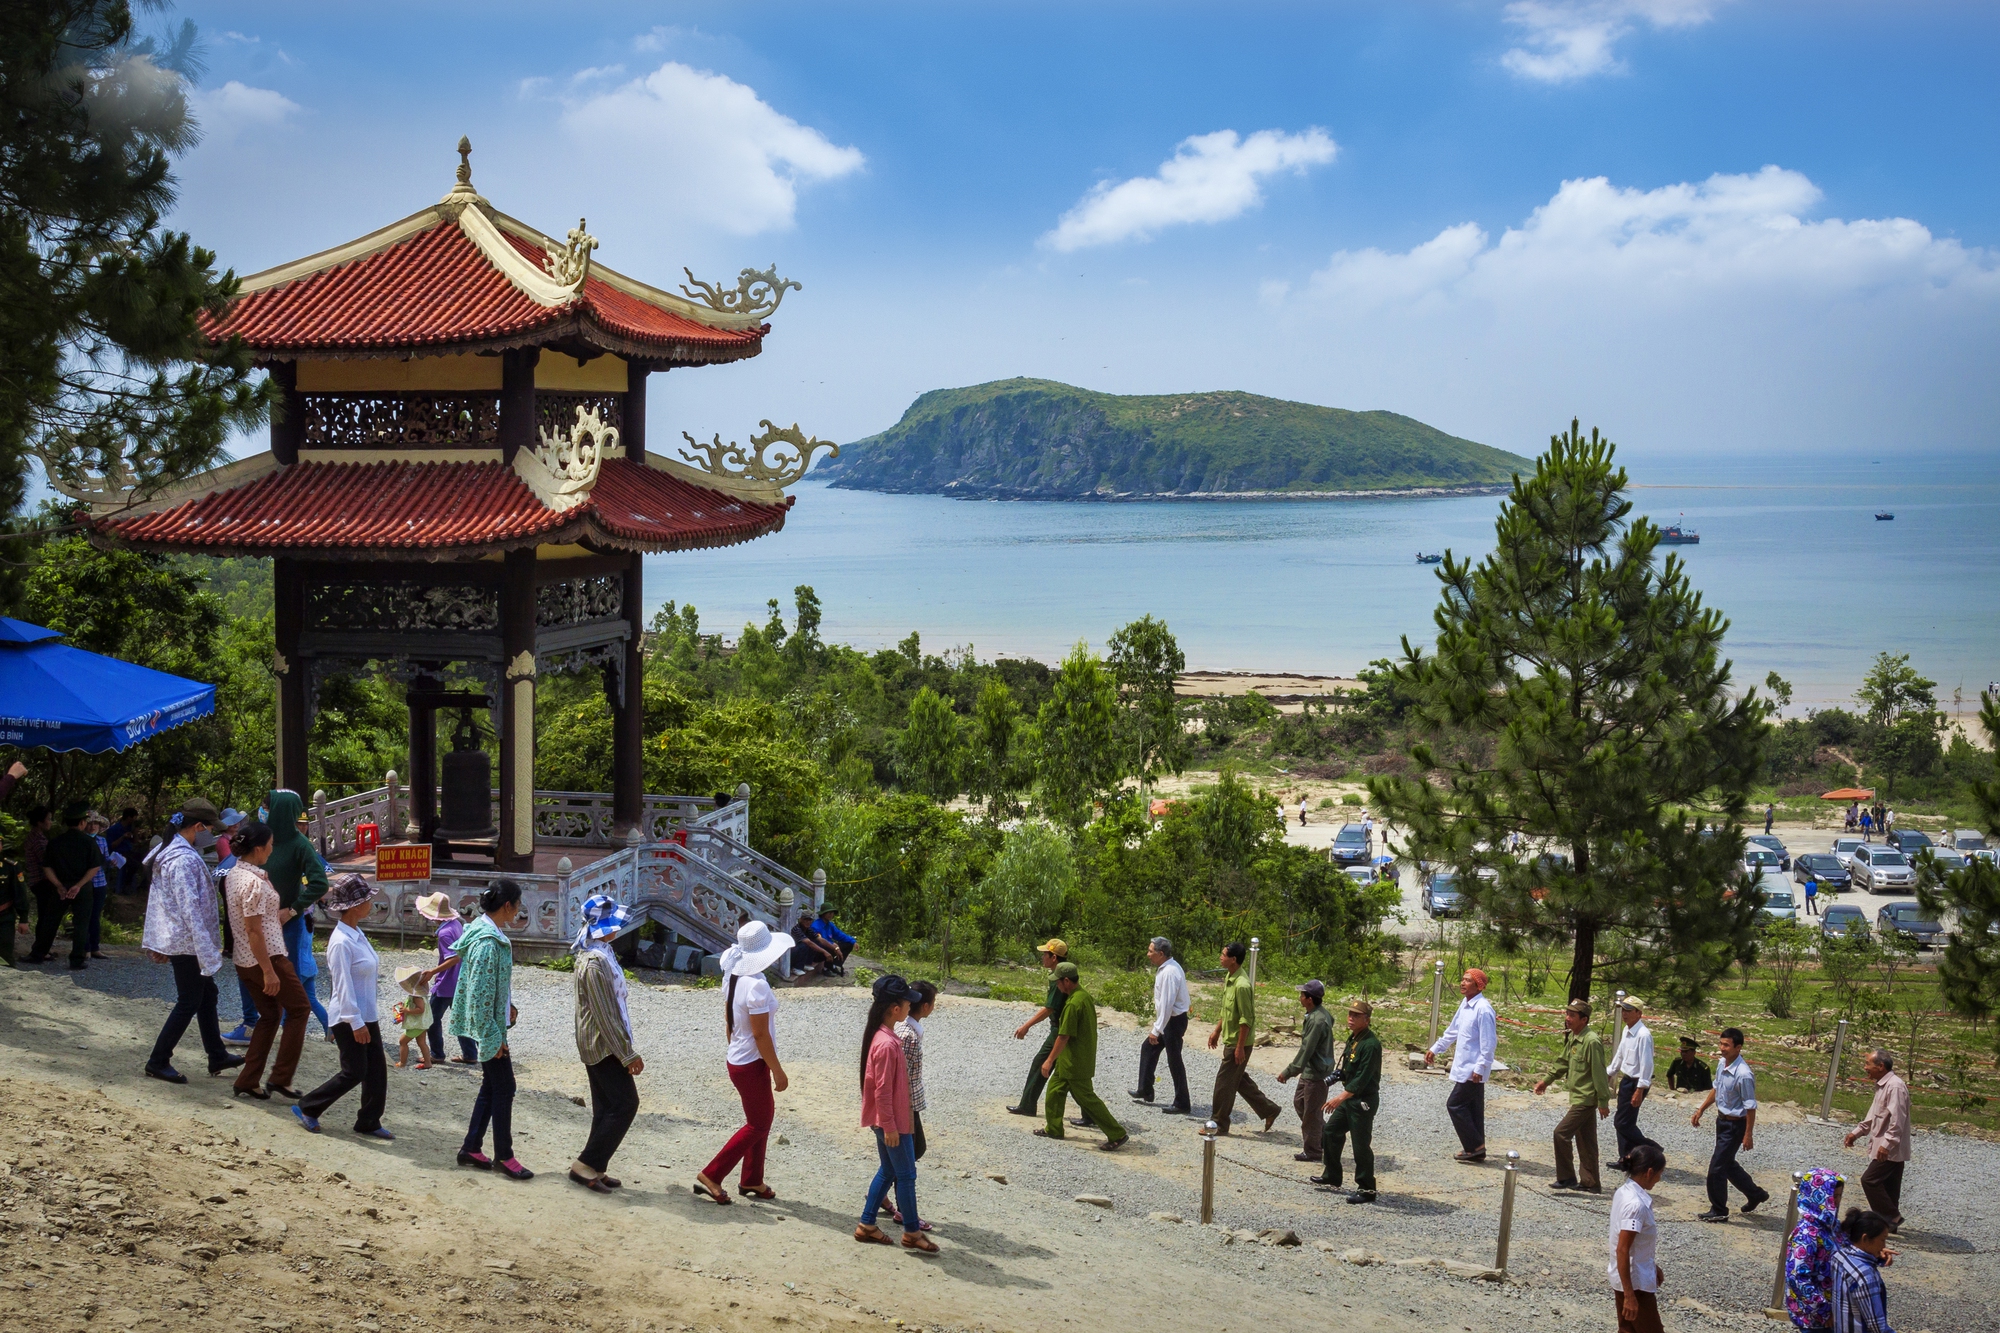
{"points": [[1705, 226]]}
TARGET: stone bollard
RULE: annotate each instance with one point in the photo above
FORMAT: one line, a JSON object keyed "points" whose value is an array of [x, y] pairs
{"points": [[1208, 1132], [1437, 993], [1250, 965], [1776, 1309], [1506, 1214]]}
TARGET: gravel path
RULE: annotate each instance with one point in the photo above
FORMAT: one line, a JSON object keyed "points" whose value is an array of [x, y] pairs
{"points": [[973, 1067]]}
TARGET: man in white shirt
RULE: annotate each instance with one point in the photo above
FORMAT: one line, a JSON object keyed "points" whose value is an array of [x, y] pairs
{"points": [[1734, 1098], [1170, 1020], [1635, 1239], [1473, 1035], [1632, 1068], [183, 929]]}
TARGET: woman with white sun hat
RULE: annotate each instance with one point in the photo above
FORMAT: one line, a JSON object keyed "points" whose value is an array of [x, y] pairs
{"points": [[749, 1021], [604, 1041]]}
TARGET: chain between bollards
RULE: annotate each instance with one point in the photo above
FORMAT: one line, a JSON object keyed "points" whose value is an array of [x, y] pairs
{"points": [[1208, 1173], [1833, 1071], [1437, 993], [1776, 1309], [1506, 1214]]}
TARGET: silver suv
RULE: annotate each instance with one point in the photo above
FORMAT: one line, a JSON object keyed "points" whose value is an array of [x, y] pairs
{"points": [[1880, 869]]}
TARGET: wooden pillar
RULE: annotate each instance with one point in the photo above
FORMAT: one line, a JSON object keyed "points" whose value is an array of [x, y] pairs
{"points": [[517, 703], [628, 722], [288, 619], [633, 433], [423, 752], [288, 420], [517, 401]]}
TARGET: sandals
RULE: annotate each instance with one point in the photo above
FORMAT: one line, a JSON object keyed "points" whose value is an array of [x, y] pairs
{"points": [[869, 1235], [917, 1240], [704, 1186], [757, 1192], [595, 1184]]}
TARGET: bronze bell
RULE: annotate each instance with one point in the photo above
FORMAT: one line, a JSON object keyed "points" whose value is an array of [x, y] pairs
{"points": [[468, 785]]}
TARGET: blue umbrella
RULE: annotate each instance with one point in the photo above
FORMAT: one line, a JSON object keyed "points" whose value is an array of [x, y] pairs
{"points": [[55, 697]]}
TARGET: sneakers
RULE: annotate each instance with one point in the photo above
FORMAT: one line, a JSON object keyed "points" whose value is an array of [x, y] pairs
{"points": [[310, 1122], [237, 1036]]}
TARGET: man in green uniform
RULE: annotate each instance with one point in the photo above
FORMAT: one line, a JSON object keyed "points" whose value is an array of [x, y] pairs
{"points": [[1051, 954], [1313, 1066], [1239, 1024], [1072, 1064], [1581, 1070], [1352, 1109]]}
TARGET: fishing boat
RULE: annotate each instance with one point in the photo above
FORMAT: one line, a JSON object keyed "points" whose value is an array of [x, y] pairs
{"points": [[1883, 516], [1675, 535], [1423, 559]]}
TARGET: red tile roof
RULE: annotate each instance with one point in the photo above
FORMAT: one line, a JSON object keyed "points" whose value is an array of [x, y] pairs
{"points": [[435, 289], [356, 508]]}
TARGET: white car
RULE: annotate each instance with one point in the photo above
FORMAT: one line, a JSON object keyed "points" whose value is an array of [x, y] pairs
{"points": [[1844, 849], [1880, 869]]}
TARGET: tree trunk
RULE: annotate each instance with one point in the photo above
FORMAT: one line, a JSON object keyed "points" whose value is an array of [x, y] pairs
{"points": [[1583, 959]]}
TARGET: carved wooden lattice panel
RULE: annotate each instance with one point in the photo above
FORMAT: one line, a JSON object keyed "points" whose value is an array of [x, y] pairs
{"points": [[402, 606], [402, 420], [574, 601], [556, 412]]}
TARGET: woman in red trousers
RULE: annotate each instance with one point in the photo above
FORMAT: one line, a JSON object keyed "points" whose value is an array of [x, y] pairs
{"points": [[749, 1021]]}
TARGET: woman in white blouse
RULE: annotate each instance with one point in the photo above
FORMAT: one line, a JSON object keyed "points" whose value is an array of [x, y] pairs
{"points": [[354, 1022]]}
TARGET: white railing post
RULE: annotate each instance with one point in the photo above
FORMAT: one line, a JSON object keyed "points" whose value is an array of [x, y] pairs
{"points": [[819, 890], [1251, 967], [319, 821], [386, 820]]}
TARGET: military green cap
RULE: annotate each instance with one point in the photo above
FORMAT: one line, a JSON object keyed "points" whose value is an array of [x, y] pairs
{"points": [[1068, 972]]}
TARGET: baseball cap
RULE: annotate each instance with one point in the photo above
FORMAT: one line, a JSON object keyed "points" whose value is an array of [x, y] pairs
{"points": [[1579, 1007], [1633, 1003], [1315, 989], [1068, 972], [1056, 947]]}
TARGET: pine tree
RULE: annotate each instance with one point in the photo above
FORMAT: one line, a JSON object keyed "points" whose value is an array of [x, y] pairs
{"points": [[1580, 688], [103, 366], [1079, 759], [1969, 972], [1146, 662], [930, 752]]}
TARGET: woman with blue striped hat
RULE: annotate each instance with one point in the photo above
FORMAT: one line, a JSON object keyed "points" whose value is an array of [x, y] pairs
{"points": [[604, 1041]]}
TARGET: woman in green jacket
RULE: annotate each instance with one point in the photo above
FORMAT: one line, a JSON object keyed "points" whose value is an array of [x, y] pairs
{"points": [[482, 1011], [299, 876]]}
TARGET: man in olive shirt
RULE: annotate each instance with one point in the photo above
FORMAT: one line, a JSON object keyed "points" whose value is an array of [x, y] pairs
{"points": [[1051, 954], [1071, 1066], [1314, 1066], [1239, 1022], [1352, 1109], [69, 864], [1581, 1071]]}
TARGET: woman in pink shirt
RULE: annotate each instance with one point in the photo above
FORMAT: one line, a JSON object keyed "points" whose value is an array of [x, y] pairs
{"points": [[885, 1108]]}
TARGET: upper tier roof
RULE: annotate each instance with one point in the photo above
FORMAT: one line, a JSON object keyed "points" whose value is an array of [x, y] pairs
{"points": [[461, 276]]}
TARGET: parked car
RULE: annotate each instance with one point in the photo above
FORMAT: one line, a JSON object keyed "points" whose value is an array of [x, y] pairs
{"points": [[1968, 840], [1756, 860], [1911, 922], [1778, 900], [1766, 840], [1843, 849], [1350, 846], [1441, 897], [1948, 859], [1990, 855], [1880, 869], [1822, 866], [1841, 918], [1908, 841], [1363, 875]]}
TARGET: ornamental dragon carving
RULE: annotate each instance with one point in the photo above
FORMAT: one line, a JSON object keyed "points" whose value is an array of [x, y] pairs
{"points": [[570, 264], [759, 464], [756, 294], [563, 466]]}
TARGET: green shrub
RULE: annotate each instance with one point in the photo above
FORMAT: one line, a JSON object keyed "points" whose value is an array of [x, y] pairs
{"points": [[1353, 798]]}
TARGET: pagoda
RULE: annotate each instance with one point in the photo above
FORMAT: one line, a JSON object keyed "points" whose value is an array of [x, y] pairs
{"points": [[458, 488]]}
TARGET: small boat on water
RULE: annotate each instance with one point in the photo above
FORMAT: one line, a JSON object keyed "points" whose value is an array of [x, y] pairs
{"points": [[1883, 516], [1423, 559], [1675, 535]]}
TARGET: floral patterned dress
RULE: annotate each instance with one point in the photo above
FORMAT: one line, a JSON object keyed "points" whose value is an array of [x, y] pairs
{"points": [[1809, 1254]]}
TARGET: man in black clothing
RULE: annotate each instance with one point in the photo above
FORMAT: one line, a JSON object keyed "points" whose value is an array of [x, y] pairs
{"points": [[1689, 1074], [68, 867]]}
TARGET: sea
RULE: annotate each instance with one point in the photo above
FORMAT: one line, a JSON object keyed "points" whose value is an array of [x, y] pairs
{"points": [[1791, 551]]}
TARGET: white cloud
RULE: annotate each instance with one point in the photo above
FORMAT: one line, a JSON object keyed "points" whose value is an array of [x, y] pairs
{"points": [[694, 144], [1566, 40], [235, 107], [1210, 178]]}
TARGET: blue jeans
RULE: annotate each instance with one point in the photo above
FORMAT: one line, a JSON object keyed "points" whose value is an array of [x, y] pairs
{"points": [[96, 914], [248, 996], [899, 1164], [467, 1047], [298, 944]]}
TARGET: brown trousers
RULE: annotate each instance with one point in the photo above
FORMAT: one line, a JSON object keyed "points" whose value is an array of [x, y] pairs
{"points": [[288, 1005], [1882, 1182], [1231, 1081], [1309, 1100], [1649, 1313], [1580, 1127]]}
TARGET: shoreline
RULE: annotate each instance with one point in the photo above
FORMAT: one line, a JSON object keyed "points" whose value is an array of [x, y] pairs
{"points": [[956, 492]]}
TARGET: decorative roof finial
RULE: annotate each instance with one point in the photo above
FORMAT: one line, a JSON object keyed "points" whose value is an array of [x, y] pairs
{"points": [[465, 162]]}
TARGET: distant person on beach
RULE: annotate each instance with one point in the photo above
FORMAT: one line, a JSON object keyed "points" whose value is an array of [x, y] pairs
{"points": [[1472, 1039], [1352, 1109], [1635, 1238], [1239, 1023], [1734, 1098], [1170, 1020], [1050, 955], [1302, 812], [1313, 1067]]}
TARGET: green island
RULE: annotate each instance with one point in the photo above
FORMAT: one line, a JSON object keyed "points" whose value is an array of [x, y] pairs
{"points": [[1033, 439]]}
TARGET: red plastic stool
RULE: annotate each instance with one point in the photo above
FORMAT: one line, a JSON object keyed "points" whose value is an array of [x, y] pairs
{"points": [[367, 837]]}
